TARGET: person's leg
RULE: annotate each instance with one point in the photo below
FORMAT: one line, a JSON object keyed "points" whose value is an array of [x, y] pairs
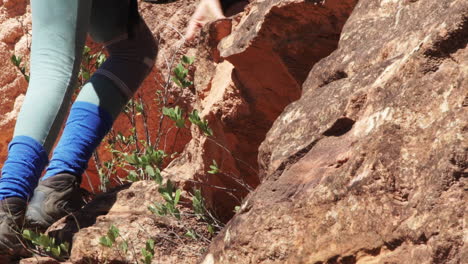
{"points": [[132, 50], [59, 32], [109, 89]]}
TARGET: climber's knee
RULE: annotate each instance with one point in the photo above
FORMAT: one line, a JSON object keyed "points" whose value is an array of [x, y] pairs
{"points": [[131, 58]]}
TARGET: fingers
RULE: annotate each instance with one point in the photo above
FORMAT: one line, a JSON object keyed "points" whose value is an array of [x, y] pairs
{"points": [[193, 28], [207, 11]]}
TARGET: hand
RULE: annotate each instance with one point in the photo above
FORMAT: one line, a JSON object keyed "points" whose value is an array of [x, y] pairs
{"points": [[207, 10]]}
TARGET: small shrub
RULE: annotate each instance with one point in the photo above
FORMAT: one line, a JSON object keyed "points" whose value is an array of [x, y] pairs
{"points": [[47, 244], [171, 196]]}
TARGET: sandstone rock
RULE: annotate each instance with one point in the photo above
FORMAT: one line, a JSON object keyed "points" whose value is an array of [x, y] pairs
{"points": [[259, 71], [370, 165], [12, 88], [15, 7], [127, 209], [40, 260], [11, 31], [12, 83]]}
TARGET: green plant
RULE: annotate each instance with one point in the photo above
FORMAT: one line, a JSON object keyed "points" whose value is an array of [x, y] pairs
{"points": [[201, 212], [148, 252], [16, 60], [195, 119], [47, 243], [192, 234], [181, 72], [176, 114], [90, 62], [214, 168], [171, 196], [109, 239]]}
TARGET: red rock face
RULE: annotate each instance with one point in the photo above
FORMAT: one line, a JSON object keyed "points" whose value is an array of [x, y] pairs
{"points": [[354, 136], [272, 47], [369, 166], [15, 23]]}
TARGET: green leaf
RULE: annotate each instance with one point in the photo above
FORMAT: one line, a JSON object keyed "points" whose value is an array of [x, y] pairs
{"points": [[132, 176], [214, 168], [16, 60], [210, 229], [143, 160], [113, 233], [169, 186], [167, 197], [150, 245], [65, 246], [167, 111], [186, 83], [157, 176], [187, 60], [43, 240], [180, 72], [124, 246], [152, 209], [194, 118], [180, 123], [105, 241], [86, 50], [29, 235], [131, 159], [208, 131], [55, 251], [101, 59], [176, 81], [150, 170], [177, 197], [85, 75], [139, 108], [191, 234]]}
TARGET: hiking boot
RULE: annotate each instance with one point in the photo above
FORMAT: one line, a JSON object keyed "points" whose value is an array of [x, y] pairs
{"points": [[11, 223], [54, 198]]}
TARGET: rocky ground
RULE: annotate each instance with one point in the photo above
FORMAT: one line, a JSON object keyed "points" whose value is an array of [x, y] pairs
{"points": [[340, 125]]}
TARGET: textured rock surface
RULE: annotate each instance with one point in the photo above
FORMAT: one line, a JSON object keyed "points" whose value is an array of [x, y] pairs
{"points": [[127, 209], [15, 23], [261, 67], [40, 260], [370, 165]]}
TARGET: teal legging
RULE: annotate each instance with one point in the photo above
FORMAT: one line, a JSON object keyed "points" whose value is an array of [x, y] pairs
{"points": [[58, 37], [59, 33]]}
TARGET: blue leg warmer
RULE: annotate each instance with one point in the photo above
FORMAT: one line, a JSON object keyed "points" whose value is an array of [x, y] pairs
{"points": [[23, 167], [86, 126]]}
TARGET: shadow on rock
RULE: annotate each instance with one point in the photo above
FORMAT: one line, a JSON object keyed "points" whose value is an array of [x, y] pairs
{"points": [[64, 229]]}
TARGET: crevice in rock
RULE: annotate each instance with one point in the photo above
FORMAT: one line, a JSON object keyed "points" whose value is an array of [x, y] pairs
{"points": [[456, 40], [441, 254], [348, 260], [342, 260], [293, 159], [337, 75], [394, 244], [341, 126]]}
